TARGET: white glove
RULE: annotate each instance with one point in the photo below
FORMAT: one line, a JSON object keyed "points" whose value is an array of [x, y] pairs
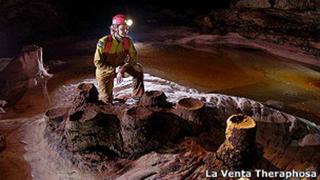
{"points": [[119, 78]]}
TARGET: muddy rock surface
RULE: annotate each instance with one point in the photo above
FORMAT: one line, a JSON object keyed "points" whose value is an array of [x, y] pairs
{"points": [[257, 20], [2, 142], [21, 73], [279, 4], [155, 138]]}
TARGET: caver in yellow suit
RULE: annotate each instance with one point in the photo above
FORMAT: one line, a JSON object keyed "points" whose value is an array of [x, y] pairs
{"points": [[113, 52]]}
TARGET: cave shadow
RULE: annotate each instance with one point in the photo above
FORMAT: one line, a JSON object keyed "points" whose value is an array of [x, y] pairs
{"points": [[173, 133]]}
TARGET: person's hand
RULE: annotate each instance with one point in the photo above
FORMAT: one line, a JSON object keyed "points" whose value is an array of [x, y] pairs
{"points": [[127, 59], [119, 77]]}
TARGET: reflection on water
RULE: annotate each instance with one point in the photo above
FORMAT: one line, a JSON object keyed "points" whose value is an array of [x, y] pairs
{"points": [[240, 72]]}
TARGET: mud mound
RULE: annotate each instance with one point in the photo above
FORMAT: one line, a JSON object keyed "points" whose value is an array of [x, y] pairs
{"points": [[159, 139]]}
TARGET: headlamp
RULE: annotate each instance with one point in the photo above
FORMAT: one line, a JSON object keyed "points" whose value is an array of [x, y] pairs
{"points": [[129, 22]]}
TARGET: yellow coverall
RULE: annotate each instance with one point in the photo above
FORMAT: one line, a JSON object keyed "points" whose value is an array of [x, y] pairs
{"points": [[106, 64]]}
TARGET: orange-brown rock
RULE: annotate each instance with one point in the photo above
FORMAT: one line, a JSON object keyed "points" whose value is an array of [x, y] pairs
{"points": [[239, 150], [25, 71], [179, 141], [2, 142]]}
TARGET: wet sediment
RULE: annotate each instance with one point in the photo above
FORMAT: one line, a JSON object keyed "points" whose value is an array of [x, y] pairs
{"points": [[131, 133]]}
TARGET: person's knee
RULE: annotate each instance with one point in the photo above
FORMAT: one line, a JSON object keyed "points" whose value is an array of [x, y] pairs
{"points": [[138, 67]]}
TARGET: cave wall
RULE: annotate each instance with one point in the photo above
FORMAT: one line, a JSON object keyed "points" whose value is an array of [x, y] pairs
{"points": [[31, 21], [279, 4], [22, 19]]}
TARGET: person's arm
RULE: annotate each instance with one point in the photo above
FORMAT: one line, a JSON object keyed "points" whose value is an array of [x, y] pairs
{"points": [[133, 53], [98, 58], [132, 59]]}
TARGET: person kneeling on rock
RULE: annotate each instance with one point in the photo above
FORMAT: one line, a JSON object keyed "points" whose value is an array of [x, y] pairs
{"points": [[117, 50]]}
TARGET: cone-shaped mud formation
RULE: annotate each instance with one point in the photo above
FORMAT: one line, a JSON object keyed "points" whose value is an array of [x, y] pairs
{"points": [[239, 149], [160, 139]]}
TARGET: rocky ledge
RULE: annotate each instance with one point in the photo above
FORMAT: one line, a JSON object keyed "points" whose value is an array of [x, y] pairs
{"points": [[288, 28], [23, 72], [155, 138]]}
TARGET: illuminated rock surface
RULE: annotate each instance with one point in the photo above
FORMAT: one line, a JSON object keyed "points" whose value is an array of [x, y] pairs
{"points": [[23, 72], [155, 141]]}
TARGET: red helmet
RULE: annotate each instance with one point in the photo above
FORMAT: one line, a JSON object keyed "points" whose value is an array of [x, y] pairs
{"points": [[119, 19]]}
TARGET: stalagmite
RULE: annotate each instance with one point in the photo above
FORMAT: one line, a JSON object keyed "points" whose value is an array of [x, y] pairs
{"points": [[192, 110], [127, 140], [155, 99], [239, 150]]}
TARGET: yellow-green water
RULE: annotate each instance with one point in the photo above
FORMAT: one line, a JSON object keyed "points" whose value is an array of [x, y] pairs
{"points": [[240, 72]]}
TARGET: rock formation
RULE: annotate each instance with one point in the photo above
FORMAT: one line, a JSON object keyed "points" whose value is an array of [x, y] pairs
{"points": [[279, 4], [239, 150], [2, 142], [297, 4], [253, 4], [160, 139], [285, 24], [21, 19], [21, 73], [2, 105], [121, 130]]}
